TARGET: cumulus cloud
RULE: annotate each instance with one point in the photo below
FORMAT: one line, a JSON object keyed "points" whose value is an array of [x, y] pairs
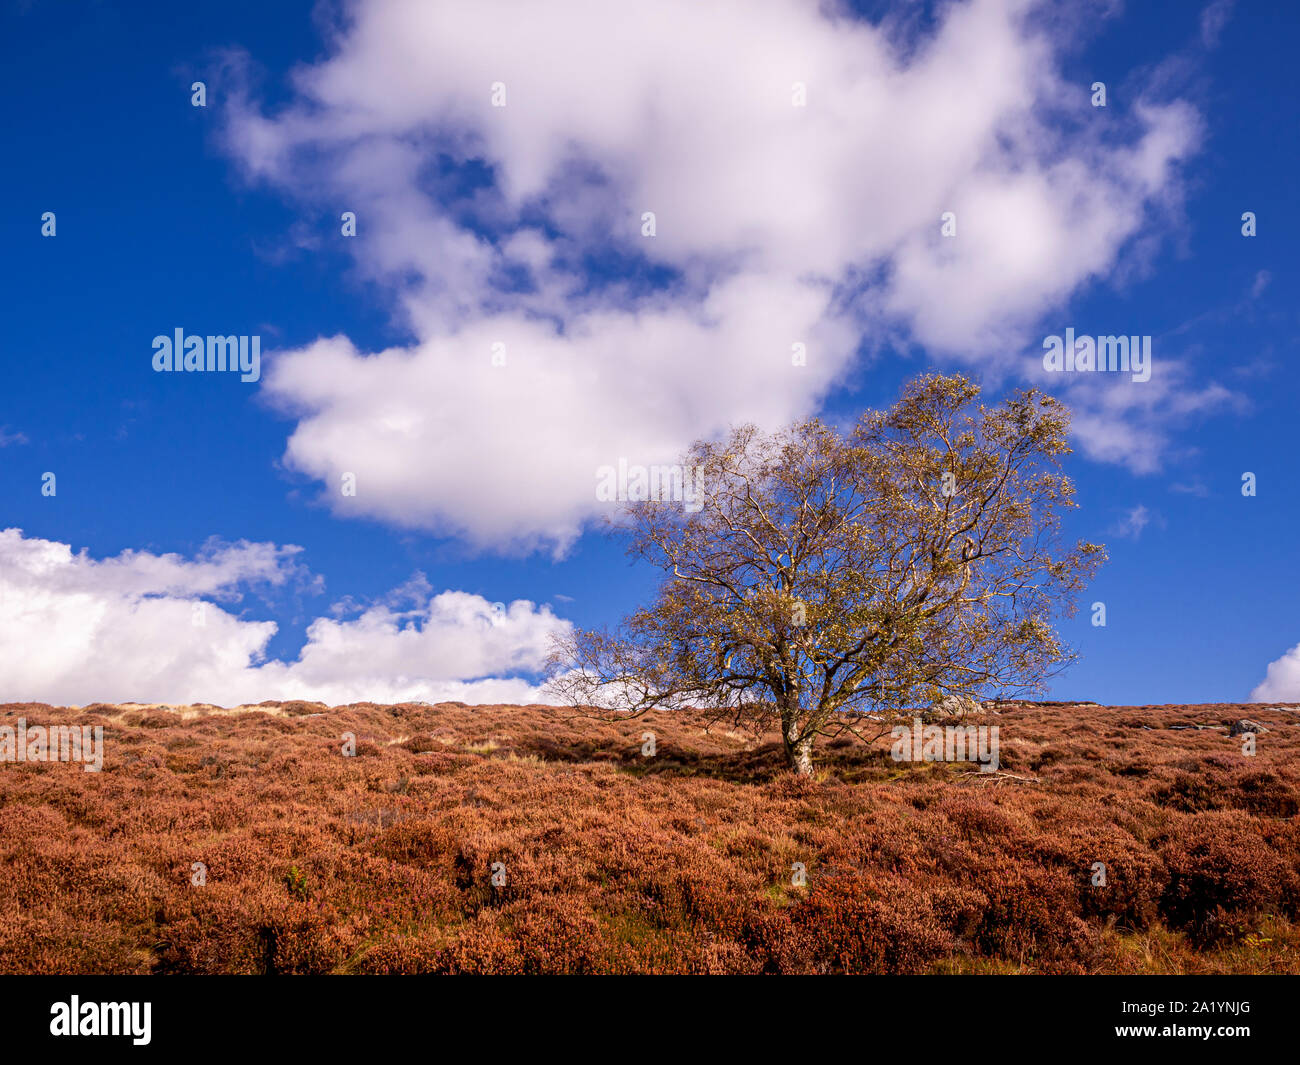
{"points": [[1281, 684], [439, 438], [775, 225], [140, 627]]}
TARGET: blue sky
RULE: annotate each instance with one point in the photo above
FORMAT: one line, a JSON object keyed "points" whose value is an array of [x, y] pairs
{"points": [[225, 219]]}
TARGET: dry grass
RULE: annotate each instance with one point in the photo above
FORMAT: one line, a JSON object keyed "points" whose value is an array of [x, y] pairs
{"points": [[619, 863]]}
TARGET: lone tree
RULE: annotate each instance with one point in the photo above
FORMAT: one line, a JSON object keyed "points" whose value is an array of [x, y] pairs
{"points": [[840, 578]]}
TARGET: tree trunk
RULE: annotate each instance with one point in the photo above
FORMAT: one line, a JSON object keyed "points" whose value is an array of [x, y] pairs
{"points": [[800, 756], [798, 749]]}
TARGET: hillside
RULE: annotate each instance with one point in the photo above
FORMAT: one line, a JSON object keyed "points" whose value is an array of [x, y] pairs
{"points": [[616, 862]]}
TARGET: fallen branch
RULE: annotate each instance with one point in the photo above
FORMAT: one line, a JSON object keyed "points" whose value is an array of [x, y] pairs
{"points": [[997, 776]]}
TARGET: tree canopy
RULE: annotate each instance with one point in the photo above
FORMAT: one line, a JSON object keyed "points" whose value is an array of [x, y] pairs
{"points": [[829, 575]]}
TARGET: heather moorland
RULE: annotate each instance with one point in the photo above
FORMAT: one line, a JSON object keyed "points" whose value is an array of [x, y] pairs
{"points": [[245, 841]]}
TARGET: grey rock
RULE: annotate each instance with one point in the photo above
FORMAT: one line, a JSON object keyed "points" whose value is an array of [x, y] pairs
{"points": [[953, 706]]}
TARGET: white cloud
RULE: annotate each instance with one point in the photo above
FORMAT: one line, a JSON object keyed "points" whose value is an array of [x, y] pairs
{"points": [[77, 630], [1134, 521], [777, 224], [1214, 17], [1130, 423], [439, 438], [1281, 684]]}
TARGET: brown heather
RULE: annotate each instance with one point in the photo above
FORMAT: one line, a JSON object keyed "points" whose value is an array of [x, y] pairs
{"points": [[381, 863]]}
